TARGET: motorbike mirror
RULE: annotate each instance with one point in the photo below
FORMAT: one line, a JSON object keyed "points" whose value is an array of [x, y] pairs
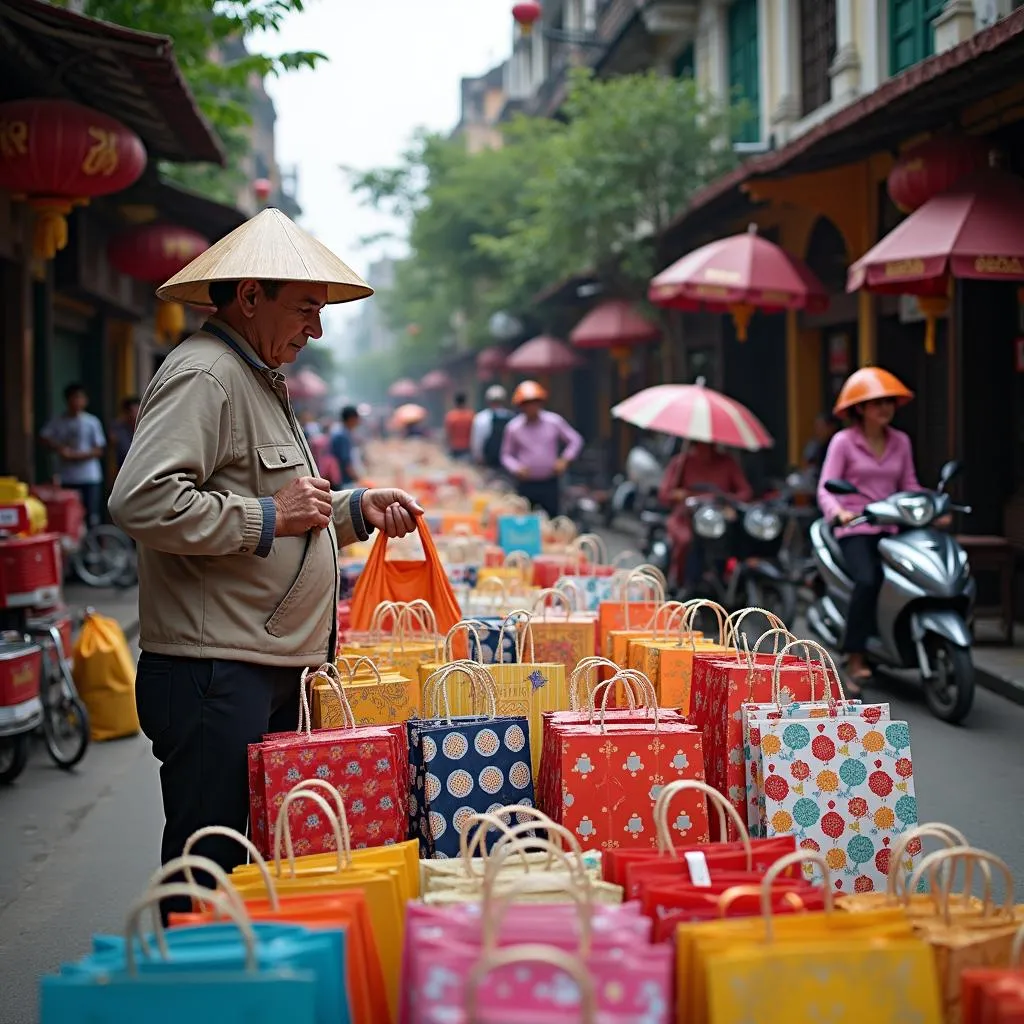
{"points": [[840, 487], [948, 471]]}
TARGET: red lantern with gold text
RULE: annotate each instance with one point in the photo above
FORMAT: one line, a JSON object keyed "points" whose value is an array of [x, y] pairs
{"points": [[262, 187], [933, 166], [153, 253], [526, 15], [56, 155]]}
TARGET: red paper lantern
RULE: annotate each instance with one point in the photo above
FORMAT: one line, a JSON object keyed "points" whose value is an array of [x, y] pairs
{"points": [[56, 155], [933, 166], [526, 14], [262, 187], [155, 252]]}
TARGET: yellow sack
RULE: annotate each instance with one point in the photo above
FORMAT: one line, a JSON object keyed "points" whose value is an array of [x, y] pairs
{"points": [[104, 672]]}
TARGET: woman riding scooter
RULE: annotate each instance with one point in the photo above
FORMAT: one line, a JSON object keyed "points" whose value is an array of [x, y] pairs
{"points": [[878, 460], [698, 463]]}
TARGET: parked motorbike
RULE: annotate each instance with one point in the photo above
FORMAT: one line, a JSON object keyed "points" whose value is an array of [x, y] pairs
{"points": [[637, 490], [726, 527], [926, 598]]}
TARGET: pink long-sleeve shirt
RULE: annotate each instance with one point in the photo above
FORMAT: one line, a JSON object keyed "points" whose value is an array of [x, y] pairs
{"points": [[537, 446], [849, 457]]}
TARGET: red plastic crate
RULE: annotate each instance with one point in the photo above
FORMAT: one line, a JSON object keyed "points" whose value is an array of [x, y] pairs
{"points": [[30, 571], [65, 512], [21, 667]]}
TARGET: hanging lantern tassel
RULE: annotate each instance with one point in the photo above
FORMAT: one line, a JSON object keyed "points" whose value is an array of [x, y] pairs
{"points": [[50, 233], [169, 321], [932, 306], [741, 314]]}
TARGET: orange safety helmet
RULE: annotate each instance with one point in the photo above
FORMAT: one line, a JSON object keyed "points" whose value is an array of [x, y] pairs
{"points": [[869, 384], [529, 391]]}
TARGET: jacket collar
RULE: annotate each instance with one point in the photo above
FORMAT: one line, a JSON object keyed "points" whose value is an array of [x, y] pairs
{"points": [[235, 341]]}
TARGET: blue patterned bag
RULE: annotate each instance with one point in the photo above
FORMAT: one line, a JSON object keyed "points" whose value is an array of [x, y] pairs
{"points": [[521, 533], [465, 765]]}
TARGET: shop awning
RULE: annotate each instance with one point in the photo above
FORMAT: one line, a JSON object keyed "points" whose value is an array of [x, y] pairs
{"points": [[130, 75], [920, 99]]}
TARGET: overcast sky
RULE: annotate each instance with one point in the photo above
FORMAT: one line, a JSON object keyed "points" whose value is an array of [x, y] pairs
{"points": [[393, 65]]}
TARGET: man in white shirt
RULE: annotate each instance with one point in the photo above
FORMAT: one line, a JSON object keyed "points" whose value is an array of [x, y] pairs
{"points": [[489, 427], [77, 440]]}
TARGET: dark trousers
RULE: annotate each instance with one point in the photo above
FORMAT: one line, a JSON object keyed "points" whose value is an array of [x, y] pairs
{"points": [[92, 499], [542, 494], [201, 715], [860, 553]]}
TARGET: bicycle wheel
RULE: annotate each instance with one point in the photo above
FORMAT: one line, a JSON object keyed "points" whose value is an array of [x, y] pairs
{"points": [[104, 556], [65, 718]]}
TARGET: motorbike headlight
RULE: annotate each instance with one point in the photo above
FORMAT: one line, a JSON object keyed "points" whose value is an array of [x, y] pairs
{"points": [[709, 522], [918, 509], [762, 523]]}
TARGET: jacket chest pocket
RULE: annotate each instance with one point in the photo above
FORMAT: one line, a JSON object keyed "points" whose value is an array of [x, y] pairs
{"points": [[280, 463]]}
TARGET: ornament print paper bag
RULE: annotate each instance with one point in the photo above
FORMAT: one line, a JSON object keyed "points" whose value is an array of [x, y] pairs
{"points": [[562, 637], [851, 798]]}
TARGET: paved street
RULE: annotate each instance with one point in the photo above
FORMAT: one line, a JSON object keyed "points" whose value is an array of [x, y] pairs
{"points": [[77, 848]]}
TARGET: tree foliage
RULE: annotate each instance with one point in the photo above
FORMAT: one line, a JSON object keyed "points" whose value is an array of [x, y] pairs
{"points": [[206, 35], [488, 230]]}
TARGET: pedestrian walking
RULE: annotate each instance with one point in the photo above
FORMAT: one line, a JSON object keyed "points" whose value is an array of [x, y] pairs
{"points": [[238, 535], [489, 428], [77, 440], [538, 447], [458, 428], [343, 446], [123, 429]]}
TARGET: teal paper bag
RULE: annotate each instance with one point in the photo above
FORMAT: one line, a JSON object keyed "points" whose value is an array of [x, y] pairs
{"points": [[221, 948], [233, 997], [521, 533]]}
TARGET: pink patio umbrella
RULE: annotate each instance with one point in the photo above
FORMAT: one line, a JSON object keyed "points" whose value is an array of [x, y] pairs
{"points": [[436, 380], [614, 324], [404, 388], [543, 355], [306, 384]]}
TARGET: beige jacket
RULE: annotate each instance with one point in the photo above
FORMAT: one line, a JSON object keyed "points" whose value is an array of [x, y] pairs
{"points": [[216, 438]]}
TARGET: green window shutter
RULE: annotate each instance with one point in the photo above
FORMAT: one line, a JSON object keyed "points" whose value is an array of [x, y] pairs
{"points": [[745, 66], [911, 38], [686, 65]]}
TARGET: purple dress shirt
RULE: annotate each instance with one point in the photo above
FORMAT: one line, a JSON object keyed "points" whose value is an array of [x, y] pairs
{"points": [[849, 457], [537, 446]]}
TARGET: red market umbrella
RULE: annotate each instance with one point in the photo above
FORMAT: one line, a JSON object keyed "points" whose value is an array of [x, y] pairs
{"points": [[436, 380], [737, 275], [306, 384], [696, 413], [614, 324], [404, 388], [490, 360], [542, 355], [973, 230]]}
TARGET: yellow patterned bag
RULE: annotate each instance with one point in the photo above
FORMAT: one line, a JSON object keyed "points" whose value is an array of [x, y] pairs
{"points": [[846, 968], [376, 697]]}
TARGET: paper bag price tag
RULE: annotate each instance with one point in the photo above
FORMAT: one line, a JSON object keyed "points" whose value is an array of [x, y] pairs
{"points": [[700, 875]]}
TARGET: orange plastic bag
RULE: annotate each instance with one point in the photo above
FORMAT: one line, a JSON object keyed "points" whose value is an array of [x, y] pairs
{"points": [[405, 581]]}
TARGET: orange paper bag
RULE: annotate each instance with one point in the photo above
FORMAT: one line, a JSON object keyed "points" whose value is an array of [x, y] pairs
{"points": [[384, 580]]}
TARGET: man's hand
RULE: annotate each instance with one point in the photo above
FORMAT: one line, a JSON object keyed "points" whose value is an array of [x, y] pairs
{"points": [[392, 511], [943, 521], [523, 473], [843, 516], [560, 466], [303, 505]]}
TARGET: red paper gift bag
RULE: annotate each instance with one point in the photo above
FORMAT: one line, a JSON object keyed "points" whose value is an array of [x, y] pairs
{"points": [[611, 773], [368, 766]]}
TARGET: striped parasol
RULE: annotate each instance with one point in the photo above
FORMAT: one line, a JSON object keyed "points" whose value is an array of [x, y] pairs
{"points": [[696, 413]]}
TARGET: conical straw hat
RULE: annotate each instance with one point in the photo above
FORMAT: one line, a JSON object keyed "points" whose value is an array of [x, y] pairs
{"points": [[269, 247]]}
